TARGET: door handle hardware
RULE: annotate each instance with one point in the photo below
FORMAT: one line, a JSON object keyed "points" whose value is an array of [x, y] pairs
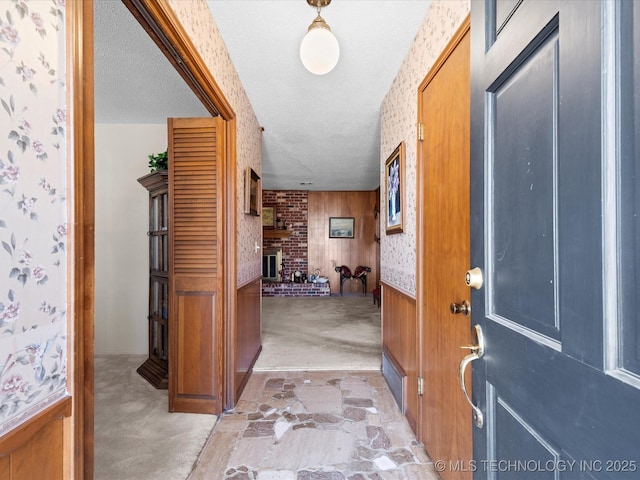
{"points": [[477, 351], [463, 308], [473, 348], [473, 278]]}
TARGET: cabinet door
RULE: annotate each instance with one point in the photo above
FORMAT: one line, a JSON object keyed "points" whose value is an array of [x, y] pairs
{"points": [[158, 232], [196, 147], [158, 319]]}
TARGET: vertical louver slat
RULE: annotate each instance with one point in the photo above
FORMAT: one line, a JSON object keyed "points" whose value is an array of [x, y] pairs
{"points": [[195, 226]]}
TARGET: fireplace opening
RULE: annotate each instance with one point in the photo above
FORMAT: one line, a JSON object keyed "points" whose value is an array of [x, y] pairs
{"points": [[271, 264]]}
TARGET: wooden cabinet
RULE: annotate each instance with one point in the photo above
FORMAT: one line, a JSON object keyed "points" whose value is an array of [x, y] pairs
{"points": [[156, 368]]}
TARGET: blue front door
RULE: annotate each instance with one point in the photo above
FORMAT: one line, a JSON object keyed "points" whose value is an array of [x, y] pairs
{"points": [[555, 229]]}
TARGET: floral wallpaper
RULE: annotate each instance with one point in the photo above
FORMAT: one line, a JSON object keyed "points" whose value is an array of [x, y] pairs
{"points": [[33, 208], [197, 20], [399, 114]]}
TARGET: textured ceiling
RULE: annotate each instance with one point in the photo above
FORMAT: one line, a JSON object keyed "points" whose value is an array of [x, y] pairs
{"points": [[134, 81], [319, 129]]}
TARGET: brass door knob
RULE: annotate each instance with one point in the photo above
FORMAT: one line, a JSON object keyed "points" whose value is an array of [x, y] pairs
{"points": [[463, 308]]}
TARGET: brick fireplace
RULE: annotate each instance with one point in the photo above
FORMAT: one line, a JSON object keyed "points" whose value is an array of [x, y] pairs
{"points": [[291, 208]]}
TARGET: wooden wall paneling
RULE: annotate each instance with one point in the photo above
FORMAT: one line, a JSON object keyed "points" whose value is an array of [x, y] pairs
{"points": [[49, 439], [399, 340], [36, 449], [248, 336], [326, 253]]}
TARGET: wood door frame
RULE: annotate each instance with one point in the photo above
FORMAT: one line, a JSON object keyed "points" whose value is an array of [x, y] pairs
{"points": [[162, 25], [463, 29], [81, 274]]}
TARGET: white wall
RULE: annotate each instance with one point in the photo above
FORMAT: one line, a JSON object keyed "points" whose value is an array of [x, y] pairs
{"points": [[121, 246]]}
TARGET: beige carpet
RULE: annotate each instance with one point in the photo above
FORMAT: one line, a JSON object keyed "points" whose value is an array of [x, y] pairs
{"points": [[320, 333], [135, 436]]}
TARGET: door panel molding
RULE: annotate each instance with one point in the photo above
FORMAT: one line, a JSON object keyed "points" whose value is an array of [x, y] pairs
{"points": [[518, 33], [564, 421], [527, 208], [503, 11], [621, 191], [523, 433]]}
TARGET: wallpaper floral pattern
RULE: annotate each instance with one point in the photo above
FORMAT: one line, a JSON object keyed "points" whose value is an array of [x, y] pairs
{"points": [[33, 208], [197, 20], [399, 113]]}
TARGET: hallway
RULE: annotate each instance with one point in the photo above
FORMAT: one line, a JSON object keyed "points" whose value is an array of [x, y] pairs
{"points": [[323, 425], [319, 333]]}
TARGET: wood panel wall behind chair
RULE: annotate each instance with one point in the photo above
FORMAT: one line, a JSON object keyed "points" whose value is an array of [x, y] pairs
{"points": [[326, 253]]}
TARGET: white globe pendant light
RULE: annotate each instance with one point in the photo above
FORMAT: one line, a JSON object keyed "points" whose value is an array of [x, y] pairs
{"points": [[319, 50]]}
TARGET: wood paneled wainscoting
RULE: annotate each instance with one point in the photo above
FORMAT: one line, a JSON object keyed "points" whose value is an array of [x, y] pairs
{"points": [[37, 448], [400, 344], [248, 333]]}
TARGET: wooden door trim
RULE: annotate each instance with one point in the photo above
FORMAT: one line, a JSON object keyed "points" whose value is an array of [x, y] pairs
{"points": [[164, 28], [81, 260], [464, 28], [445, 54], [157, 18], [230, 265]]}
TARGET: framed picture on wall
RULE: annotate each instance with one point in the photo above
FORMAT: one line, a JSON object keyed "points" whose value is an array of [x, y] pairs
{"points": [[341, 227], [394, 172], [269, 216], [252, 192]]}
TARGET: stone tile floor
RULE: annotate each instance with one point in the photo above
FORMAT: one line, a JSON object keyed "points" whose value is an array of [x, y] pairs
{"points": [[336, 425]]}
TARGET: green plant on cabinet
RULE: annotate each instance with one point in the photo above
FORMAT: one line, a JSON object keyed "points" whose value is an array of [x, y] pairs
{"points": [[159, 161]]}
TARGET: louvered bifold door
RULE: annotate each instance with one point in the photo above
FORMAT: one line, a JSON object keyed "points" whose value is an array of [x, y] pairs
{"points": [[196, 147]]}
